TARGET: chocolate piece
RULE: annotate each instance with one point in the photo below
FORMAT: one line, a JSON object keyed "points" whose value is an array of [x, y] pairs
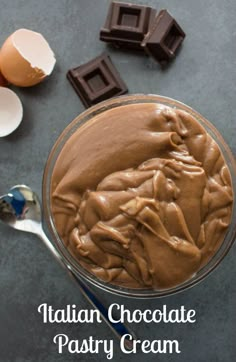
{"points": [[96, 80], [164, 38], [127, 24]]}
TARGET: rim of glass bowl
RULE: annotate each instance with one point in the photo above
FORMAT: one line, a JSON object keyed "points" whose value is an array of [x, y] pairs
{"points": [[48, 217]]}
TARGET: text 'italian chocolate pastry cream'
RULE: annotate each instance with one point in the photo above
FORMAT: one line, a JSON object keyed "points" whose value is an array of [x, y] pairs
{"points": [[141, 196]]}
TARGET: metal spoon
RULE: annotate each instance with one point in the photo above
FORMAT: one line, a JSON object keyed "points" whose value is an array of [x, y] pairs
{"points": [[20, 208]]}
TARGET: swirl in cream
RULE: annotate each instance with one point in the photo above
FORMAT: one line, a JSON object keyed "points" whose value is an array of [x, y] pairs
{"points": [[142, 196]]}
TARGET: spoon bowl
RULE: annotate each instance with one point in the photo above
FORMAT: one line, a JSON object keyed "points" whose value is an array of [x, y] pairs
{"points": [[20, 209]]}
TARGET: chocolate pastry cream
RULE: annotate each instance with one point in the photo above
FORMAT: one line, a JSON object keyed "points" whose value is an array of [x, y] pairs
{"points": [[141, 196]]}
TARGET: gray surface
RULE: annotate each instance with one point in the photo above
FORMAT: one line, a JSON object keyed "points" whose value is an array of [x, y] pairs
{"points": [[203, 76]]}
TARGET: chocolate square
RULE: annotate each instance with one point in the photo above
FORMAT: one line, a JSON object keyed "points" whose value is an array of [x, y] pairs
{"points": [[164, 38], [96, 80], [127, 24]]}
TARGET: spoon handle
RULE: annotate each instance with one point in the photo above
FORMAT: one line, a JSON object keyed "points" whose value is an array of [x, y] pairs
{"points": [[119, 329]]}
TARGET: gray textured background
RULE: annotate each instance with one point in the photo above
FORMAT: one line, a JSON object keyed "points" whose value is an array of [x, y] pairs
{"points": [[203, 76]]}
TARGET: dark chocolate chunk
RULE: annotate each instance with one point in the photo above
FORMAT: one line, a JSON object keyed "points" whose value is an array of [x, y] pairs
{"points": [[96, 80], [164, 37], [127, 24]]}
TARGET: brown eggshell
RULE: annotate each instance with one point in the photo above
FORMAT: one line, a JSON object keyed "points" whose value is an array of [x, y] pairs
{"points": [[15, 68], [22, 49]]}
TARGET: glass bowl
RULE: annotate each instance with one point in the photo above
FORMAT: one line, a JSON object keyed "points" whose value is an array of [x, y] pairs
{"points": [[48, 217]]}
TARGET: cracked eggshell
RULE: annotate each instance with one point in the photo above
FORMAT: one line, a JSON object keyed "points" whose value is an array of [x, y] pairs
{"points": [[26, 58], [11, 111]]}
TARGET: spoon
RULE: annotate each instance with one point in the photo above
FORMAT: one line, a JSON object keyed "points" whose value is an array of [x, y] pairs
{"points": [[20, 208]]}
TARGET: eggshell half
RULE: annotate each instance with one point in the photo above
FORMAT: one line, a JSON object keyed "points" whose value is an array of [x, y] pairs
{"points": [[26, 58], [11, 111]]}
